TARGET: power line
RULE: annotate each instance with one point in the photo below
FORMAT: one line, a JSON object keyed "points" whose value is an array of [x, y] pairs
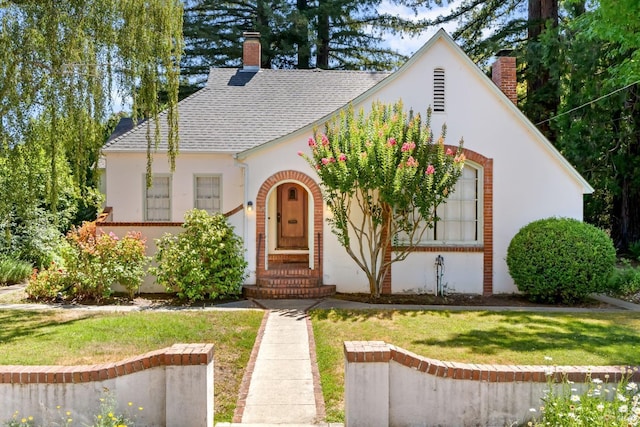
{"points": [[589, 103]]}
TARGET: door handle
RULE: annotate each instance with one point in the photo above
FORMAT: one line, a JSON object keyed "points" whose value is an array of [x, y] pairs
{"points": [[278, 217]]}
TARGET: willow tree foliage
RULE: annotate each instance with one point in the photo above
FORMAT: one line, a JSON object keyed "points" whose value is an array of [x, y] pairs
{"points": [[62, 62], [383, 177]]}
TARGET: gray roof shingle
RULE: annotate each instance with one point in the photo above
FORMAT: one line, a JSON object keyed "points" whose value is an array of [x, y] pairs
{"points": [[240, 110]]}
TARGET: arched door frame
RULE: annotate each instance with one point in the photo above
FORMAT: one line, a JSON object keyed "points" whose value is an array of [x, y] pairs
{"points": [[315, 219]]}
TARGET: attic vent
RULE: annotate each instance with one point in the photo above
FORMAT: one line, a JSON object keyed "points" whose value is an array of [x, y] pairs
{"points": [[438, 89]]}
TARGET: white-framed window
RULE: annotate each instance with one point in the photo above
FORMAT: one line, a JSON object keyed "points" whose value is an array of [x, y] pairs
{"points": [[460, 218], [158, 198], [438, 90], [208, 191]]}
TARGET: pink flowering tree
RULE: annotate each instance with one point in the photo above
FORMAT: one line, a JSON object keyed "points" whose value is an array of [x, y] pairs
{"points": [[383, 177]]}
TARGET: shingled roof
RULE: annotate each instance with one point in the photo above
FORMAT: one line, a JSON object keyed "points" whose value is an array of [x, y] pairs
{"points": [[239, 110]]}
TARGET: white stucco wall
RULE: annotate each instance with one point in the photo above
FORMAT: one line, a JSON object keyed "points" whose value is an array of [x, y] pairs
{"points": [[530, 181], [125, 181], [417, 274]]}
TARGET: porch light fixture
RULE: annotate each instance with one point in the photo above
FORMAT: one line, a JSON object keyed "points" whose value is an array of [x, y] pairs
{"points": [[249, 206]]}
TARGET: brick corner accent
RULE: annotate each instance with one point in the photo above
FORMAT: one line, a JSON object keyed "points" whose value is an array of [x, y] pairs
{"points": [[378, 351], [178, 354]]}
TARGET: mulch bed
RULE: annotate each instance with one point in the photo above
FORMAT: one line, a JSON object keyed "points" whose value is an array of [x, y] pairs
{"points": [[501, 300]]}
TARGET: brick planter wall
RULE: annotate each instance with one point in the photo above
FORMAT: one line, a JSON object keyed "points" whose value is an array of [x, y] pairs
{"points": [[389, 386], [174, 386]]}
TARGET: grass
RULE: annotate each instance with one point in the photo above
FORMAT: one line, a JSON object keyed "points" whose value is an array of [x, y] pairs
{"points": [[474, 337], [77, 337], [13, 271]]}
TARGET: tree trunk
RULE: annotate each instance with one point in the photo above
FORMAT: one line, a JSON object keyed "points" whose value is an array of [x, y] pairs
{"points": [[542, 88], [262, 22], [302, 35], [626, 205], [322, 56]]}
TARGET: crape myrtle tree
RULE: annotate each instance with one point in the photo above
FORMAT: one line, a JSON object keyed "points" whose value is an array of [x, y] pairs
{"points": [[383, 177]]}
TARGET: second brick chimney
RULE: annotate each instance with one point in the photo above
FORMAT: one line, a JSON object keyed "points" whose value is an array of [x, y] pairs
{"points": [[251, 51], [503, 74]]}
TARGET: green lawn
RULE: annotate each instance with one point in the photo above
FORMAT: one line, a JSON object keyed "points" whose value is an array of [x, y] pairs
{"points": [[475, 337], [79, 337]]}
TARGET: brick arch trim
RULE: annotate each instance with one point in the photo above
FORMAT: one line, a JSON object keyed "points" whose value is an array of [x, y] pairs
{"points": [[487, 227], [261, 211]]}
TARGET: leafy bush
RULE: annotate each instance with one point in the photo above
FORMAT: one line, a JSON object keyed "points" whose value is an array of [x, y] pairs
{"points": [[624, 280], [602, 404], [14, 271], [47, 284], [36, 240], [93, 262], [560, 260], [206, 260], [634, 248]]}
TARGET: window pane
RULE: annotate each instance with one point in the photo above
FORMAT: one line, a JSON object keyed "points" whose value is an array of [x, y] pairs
{"points": [[458, 217], [158, 199], [208, 193]]}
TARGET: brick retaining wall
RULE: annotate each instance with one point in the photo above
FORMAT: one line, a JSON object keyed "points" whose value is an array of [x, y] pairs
{"points": [[167, 383], [387, 385]]}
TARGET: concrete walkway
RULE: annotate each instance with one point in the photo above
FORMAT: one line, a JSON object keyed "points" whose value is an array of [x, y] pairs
{"points": [[283, 384]]}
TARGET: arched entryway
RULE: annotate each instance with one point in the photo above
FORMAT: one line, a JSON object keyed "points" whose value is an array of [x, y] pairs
{"points": [[289, 238]]}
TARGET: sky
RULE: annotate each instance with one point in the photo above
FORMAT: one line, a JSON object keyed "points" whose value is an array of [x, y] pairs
{"points": [[408, 46]]}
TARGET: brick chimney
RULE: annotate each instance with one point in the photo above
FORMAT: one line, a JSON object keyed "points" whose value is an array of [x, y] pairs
{"points": [[503, 74], [251, 51]]}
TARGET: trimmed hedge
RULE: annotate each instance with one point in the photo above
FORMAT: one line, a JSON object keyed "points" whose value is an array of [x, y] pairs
{"points": [[560, 260]]}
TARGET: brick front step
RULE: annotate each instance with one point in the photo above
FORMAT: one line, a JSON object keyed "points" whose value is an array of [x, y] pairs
{"points": [[289, 282], [288, 271], [288, 292], [301, 258]]}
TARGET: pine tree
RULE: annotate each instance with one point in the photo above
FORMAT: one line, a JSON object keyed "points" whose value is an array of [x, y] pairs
{"points": [[328, 34]]}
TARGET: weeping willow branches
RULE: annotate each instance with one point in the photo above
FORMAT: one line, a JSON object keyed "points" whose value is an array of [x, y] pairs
{"points": [[62, 63]]}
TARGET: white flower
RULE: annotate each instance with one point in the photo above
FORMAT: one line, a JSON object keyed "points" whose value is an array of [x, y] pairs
{"points": [[575, 398], [532, 409], [621, 397], [596, 381], [600, 407], [623, 409], [548, 358], [632, 386]]}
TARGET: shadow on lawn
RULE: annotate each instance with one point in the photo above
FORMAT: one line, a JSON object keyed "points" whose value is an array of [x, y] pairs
{"points": [[31, 324], [617, 343]]}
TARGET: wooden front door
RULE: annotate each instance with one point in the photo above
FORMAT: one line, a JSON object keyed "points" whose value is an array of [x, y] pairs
{"points": [[292, 217]]}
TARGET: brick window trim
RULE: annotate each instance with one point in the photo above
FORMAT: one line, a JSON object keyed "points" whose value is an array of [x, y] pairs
{"points": [[487, 227], [318, 217]]}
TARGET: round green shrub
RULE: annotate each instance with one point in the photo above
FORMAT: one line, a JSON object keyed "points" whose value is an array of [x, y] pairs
{"points": [[560, 260], [204, 261]]}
